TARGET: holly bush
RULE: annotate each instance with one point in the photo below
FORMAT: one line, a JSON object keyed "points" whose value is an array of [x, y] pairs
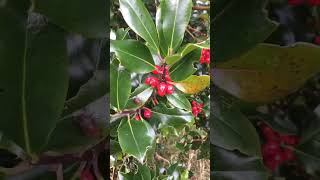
{"points": [[265, 102], [50, 127], [159, 90]]}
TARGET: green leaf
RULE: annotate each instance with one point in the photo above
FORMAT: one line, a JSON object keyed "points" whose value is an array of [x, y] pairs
{"points": [[228, 165], [33, 80], [142, 94], [179, 100], [268, 72], [252, 26], [135, 137], [308, 154], [139, 20], [121, 86], [191, 47], [193, 84], [122, 33], [233, 131], [94, 89], [184, 67], [89, 19], [175, 16], [170, 60], [133, 55], [69, 137], [170, 116], [142, 174]]}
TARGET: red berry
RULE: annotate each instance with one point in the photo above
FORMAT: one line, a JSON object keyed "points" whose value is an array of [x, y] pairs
{"points": [[317, 40], [147, 113], [148, 79], [289, 139], [170, 89], [162, 88], [154, 82], [200, 106], [195, 111], [295, 2], [194, 103], [86, 175], [313, 2], [271, 148], [205, 56], [137, 117], [167, 77], [267, 132], [288, 154], [157, 70]]}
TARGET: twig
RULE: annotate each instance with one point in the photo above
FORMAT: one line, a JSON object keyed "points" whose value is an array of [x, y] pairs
{"points": [[200, 8], [158, 157], [193, 37]]}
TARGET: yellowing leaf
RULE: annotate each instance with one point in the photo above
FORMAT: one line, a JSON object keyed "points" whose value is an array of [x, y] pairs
{"points": [[193, 84], [268, 72]]}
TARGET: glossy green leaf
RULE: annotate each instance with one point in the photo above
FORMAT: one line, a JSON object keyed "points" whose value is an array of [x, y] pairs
{"points": [[175, 16], [139, 20], [68, 137], [171, 116], [179, 100], [268, 72], [191, 47], [133, 55], [185, 67], [122, 33], [33, 80], [120, 86], [89, 19], [193, 84], [251, 23], [233, 131], [94, 89], [170, 60], [142, 174], [228, 165], [135, 137], [140, 95]]}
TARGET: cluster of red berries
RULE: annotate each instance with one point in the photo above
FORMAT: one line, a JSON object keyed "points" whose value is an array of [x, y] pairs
{"points": [[205, 56], [299, 2], [196, 108], [163, 82], [147, 114], [274, 151]]}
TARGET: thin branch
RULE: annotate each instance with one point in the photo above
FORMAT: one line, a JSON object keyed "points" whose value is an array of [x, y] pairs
{"points": [[158, 157], [201, 8]]}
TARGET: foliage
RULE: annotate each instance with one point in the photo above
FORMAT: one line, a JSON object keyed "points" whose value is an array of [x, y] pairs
{"points": [[260, 79], [155, 75], [40, 125]]}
